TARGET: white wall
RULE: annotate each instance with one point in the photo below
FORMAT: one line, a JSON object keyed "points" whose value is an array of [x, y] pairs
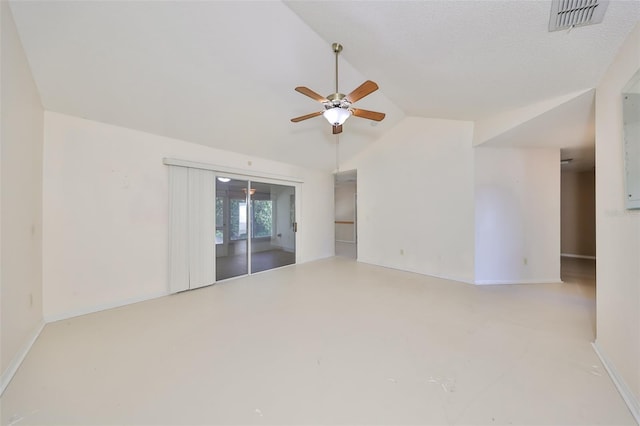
{"points": [[106, 212], [281, 206], [21, 198], [517, 215], [617, 230], [415, 199], [495, 125]]}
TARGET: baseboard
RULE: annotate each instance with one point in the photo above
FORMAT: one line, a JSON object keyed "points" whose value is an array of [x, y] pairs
{"points": [[629, 398], [413, 271], [345, 241], [104, 307], [508, 282], [17, 360], [15, 363], [577, 256]]}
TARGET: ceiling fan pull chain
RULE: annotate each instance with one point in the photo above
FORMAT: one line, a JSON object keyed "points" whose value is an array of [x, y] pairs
{"points": [[337, 155]]}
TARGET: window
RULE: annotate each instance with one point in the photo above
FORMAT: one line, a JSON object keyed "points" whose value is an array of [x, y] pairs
{"points": [[219, 220], [262, 218], [237, 219], [261, 211]]}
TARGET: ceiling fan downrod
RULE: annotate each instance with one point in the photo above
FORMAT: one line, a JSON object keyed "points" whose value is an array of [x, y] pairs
{"points": [[337, 48]]}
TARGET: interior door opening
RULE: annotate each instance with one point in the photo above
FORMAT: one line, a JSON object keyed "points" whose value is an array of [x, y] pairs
{"points": [[346, 213]]}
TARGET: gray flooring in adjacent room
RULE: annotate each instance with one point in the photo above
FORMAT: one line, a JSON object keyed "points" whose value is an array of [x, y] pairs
{"points": [[234, 266], [327, 342], [344, 249]]}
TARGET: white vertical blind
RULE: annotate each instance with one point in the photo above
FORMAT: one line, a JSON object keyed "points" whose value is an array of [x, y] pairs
{"points": [[178, 229], [202, 227], [192, 228]]}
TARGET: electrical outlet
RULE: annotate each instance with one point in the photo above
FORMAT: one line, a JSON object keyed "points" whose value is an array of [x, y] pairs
{"points": [[525, 260], [402, 252]]}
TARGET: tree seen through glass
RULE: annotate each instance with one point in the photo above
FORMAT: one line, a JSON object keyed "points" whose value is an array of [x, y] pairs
{"points": [[262, 211]]}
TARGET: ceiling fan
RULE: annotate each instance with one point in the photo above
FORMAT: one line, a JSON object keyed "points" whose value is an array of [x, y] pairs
{"points": [[337, 106]]}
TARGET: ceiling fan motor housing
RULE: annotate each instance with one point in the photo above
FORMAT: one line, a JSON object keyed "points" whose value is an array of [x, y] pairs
{"points": [[337, 100]]}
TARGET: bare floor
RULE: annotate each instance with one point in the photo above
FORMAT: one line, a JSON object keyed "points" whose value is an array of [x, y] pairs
{"points": [[327, 342]]}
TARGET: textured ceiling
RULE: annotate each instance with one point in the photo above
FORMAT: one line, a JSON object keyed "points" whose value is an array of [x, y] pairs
{"points": [[469, 59], [222, 73]]}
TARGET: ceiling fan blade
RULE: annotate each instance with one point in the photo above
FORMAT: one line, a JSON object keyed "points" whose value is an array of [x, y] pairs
{"points": [[337, 129], [305, 117], [361, 91], [370, 115], [310, 93]]}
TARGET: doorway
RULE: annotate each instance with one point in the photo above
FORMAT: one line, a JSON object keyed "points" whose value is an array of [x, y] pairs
{"points": [[578, 229], [346, 213], [255, 226]]}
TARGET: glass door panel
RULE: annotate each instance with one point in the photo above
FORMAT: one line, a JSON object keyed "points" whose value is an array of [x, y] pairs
{"points": [[272, 229], [232, 227]]}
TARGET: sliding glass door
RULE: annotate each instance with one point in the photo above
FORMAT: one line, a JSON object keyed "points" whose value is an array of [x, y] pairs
{"points": [[273, 241], [255, 227], [232, 226]]}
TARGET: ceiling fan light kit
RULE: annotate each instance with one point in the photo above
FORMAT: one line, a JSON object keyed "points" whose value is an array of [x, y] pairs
{"points": [[338, 106], [336, 116]]}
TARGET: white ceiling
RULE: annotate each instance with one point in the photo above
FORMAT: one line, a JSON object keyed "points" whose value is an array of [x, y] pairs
{"points": [[469, 59], [222, 73]]}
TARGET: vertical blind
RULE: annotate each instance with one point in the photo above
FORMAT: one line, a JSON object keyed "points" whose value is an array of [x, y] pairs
{"points": [[191, 228]]}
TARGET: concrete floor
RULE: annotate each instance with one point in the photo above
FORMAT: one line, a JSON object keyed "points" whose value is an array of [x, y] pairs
{"points": [[327, 342]]}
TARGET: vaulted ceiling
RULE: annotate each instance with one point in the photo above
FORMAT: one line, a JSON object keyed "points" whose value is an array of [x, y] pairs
{"points": [[222, 73]]}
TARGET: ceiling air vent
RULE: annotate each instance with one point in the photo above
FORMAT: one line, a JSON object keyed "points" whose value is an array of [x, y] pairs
{"points": [[575, 13]]}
